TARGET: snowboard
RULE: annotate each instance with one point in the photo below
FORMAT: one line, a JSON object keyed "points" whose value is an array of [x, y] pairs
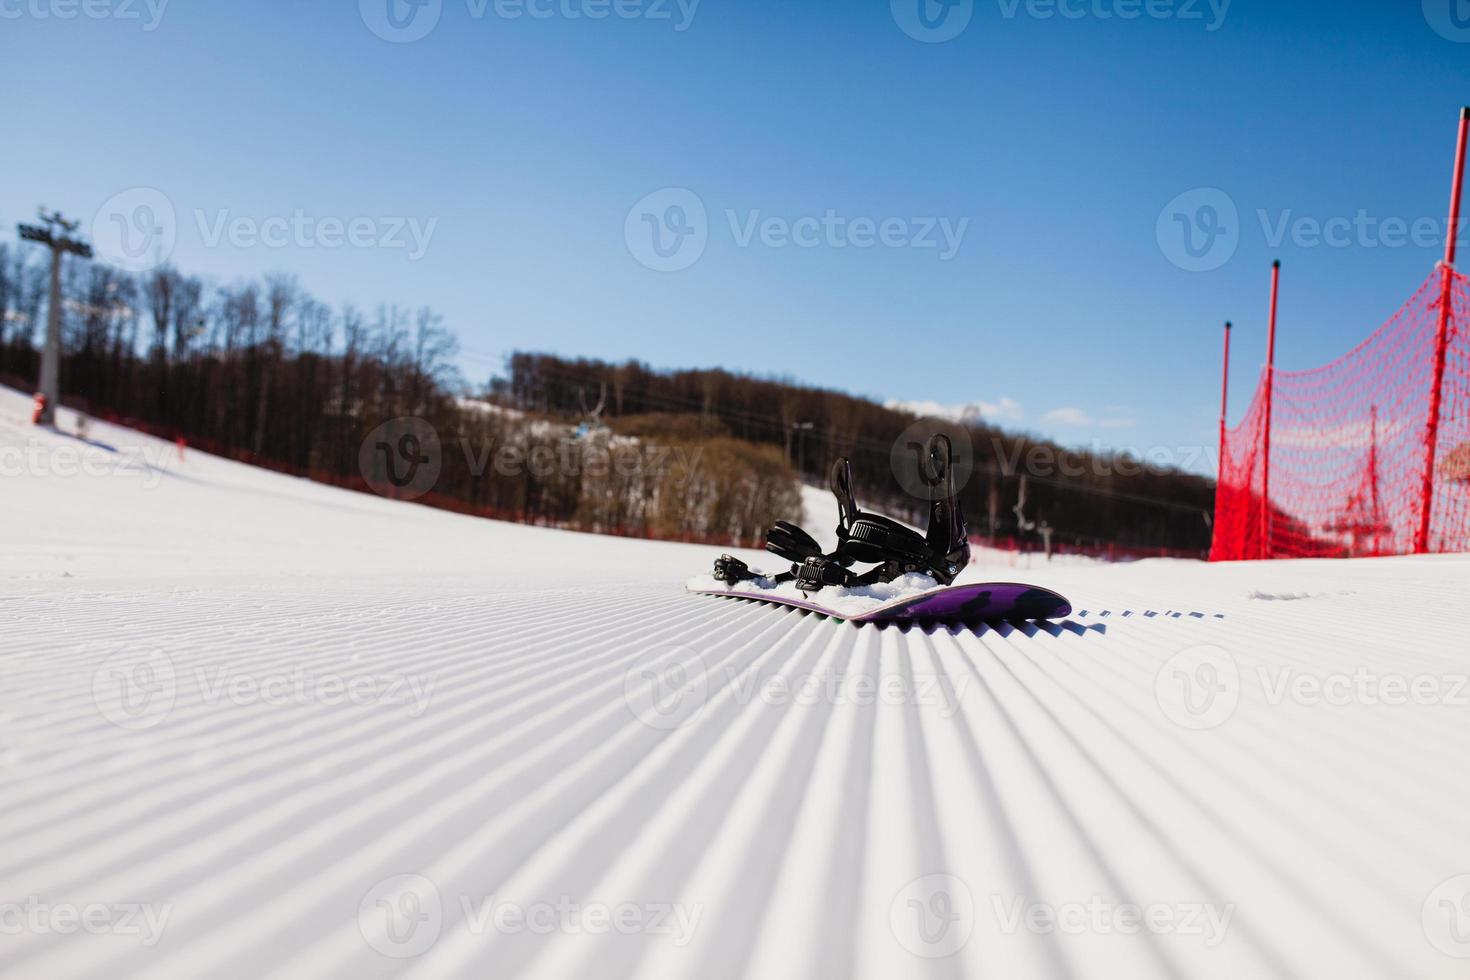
{"points": [[990, 602]]}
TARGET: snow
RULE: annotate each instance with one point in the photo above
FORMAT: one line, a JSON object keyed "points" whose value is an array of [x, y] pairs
{"points": [[482, 407], [851, 602], [819, 515], [253, 726]]}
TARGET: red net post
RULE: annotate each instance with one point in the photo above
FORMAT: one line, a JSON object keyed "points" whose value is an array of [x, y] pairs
{"points": [[1223, 507], [1441, 343], [1268, 535], [1224, 397]]}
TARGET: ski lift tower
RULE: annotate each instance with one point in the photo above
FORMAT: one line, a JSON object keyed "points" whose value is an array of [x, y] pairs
{"points": [[801, 429], [1023, 526], [55, 232]]}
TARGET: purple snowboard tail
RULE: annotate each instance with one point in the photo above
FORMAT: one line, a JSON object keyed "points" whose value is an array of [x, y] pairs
{"points": [[992, 602]]}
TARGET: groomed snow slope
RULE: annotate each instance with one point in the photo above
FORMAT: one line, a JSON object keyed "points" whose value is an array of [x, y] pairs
{"points": [[254, 726]]}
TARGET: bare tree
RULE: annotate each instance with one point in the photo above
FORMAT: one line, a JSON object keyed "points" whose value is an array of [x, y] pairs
{"points": [[190, 321], [433, 350], [281, 295], [162, 290]]}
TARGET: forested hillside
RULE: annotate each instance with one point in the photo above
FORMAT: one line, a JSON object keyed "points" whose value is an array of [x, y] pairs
{"points": [[263, 371]]}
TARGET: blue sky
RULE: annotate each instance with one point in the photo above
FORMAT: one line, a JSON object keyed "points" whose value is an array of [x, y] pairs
{"points": [[1066, 147]]}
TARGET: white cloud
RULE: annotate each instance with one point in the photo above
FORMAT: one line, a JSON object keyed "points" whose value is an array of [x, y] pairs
{"points": [[1008, 411], [1066, 416], [1005, 410], [1115, 418]]}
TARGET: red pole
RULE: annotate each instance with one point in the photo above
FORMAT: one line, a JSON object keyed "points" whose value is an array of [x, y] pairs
{"points": [[1224, 396], [1220, 504], [1377, 517], [1441, 342], [1267, 528]]}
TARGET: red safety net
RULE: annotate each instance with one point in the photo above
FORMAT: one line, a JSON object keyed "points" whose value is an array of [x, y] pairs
{"points": [[1349, 446]]}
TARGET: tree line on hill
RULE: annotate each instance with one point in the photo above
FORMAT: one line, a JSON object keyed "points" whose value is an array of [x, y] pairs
{"points": [[262, 370], [1086, 498]]}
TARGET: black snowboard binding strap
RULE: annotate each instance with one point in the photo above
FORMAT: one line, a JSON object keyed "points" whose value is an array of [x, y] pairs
{"points": [[870, 539]]}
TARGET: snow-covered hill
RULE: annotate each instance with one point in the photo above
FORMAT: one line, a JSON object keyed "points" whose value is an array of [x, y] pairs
{"points": [[252, 726]]}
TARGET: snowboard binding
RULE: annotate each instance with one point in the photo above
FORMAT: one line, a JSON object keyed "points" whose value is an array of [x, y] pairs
{"points": [[870, 539]]}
